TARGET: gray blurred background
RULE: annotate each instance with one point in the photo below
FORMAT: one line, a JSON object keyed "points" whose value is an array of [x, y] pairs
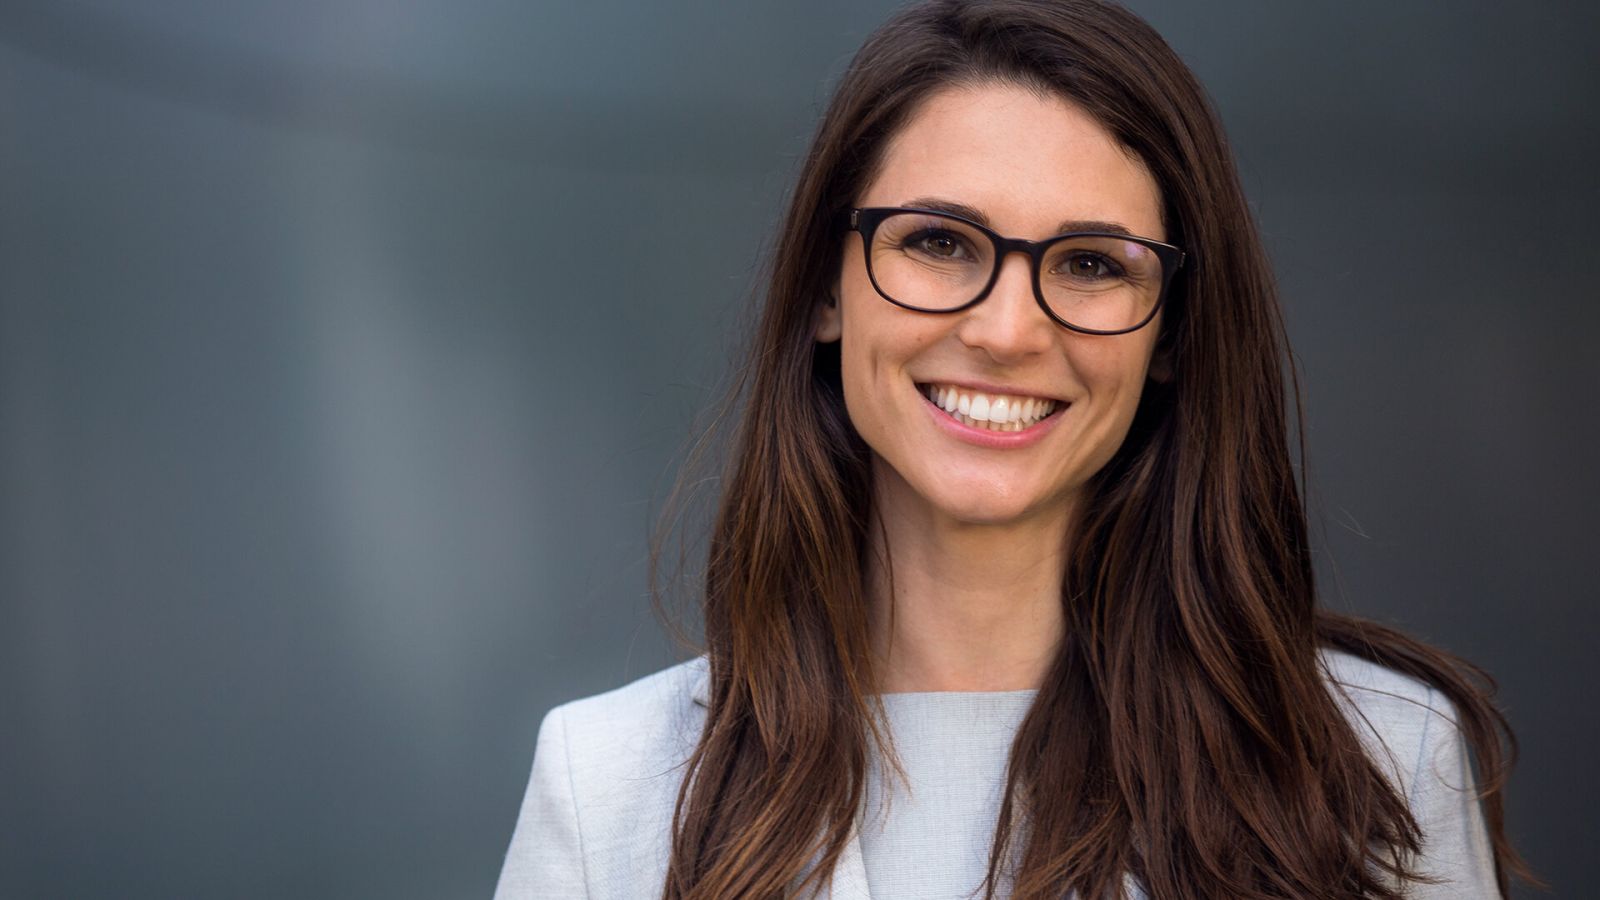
{"points": [[347, 348]]}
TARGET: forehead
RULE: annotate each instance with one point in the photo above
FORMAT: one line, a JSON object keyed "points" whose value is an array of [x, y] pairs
{"points": [[1029, 161]]}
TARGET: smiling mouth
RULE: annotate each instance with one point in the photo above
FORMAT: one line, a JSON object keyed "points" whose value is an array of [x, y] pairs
{"points": [[994, 412]]}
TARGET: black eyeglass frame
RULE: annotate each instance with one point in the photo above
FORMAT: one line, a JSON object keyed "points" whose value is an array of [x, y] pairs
{"points": [[865, 221]]}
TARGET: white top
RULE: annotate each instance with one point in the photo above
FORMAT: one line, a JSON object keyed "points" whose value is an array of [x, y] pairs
{"points": [[596, 820], [907, 835]]}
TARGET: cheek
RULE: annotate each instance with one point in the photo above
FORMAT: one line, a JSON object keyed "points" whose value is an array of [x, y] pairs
{"points": [[880, 337], [1115, 378], [858, 353], [1111, 363], [881, 344]]}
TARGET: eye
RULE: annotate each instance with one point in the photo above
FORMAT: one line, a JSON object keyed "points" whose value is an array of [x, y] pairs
{"points": [[1088, 266], [939, 243]]}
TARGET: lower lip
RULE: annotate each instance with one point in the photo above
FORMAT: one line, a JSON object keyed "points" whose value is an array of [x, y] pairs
{"points": [[998, 440]]}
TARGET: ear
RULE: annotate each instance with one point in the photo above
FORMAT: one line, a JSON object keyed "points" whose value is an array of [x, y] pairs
{"points": [[828, 320]]}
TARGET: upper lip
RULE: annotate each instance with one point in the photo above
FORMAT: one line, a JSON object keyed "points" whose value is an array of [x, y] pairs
{"points": [[991, 389]]}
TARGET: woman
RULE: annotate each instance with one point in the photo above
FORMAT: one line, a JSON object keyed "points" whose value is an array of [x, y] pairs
{"points": [[1009, 592]]}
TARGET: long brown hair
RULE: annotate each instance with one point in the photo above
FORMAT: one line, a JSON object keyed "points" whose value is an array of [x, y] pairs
{"points": [[1184, 734]]}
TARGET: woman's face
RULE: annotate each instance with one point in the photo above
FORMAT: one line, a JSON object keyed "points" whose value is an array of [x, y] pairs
{"points": [[1027, 165]]}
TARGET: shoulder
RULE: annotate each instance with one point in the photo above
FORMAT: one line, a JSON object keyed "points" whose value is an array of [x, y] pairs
{"points": [[657, 706], [597, 816], [1396, 716], [1410, 730], [1375, 687], [628, 745]]}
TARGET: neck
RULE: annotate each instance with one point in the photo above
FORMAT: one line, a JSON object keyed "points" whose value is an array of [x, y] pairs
{"points": [[973, 607]]}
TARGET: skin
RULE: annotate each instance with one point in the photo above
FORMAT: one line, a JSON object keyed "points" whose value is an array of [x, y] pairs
{"points": [[978, 534]]}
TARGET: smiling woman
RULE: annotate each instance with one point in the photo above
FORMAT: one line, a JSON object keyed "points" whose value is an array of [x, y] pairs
{"points": [[1009, 590], [1024, 162]]}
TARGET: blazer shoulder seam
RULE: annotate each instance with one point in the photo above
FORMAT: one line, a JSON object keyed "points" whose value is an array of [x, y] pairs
{"points": [[577, 808], [1422, 751]]}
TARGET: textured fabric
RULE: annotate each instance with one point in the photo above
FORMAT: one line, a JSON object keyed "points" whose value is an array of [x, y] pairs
{"points": [[595, 821], [1410, 730], [928, 836]]}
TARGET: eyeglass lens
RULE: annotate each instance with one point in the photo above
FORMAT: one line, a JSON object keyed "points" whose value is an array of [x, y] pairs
{"points": [[936, 263]]}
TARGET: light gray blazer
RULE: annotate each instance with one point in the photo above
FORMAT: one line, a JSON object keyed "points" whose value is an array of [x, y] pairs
{"points": [[595, 821]]}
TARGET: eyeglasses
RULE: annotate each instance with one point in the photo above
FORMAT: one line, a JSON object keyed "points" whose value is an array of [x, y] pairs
{"points": [[1093, 282]]}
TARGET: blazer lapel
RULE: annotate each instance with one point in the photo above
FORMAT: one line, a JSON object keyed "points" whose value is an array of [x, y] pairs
{"points": [[849, 880], [850, 876]]}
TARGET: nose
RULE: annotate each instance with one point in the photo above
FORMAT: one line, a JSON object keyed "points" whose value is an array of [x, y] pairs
{"points": [[1008, 322]]}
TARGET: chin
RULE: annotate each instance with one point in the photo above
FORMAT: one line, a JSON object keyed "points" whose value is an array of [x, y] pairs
{"points": [[984, 510], [984, 517]]}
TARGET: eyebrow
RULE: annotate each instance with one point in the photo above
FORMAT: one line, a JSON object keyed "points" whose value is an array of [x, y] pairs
{"points": [[967, 212]]}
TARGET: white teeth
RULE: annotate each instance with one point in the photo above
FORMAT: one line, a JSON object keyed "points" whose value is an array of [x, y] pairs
{"points": [[992, 412], [988, 426]]}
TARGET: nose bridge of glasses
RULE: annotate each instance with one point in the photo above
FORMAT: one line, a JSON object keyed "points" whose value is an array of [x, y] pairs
{"points": [[1020, 287], [1005, 248]]}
